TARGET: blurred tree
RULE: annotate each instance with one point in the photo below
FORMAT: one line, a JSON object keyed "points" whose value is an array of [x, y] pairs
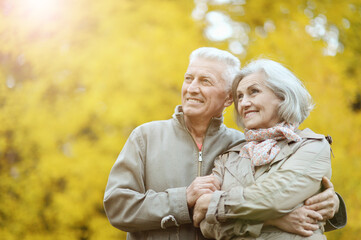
{"points": [[76, 78]]}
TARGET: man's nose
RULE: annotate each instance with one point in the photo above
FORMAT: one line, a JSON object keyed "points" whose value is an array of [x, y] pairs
{"points": [[194, 86]]}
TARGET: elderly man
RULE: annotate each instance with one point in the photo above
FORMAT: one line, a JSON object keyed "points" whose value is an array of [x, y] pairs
{"points": [[163, 167]]}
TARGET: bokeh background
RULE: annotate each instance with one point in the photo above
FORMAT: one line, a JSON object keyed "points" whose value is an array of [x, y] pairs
{"points": [[77, 76]]}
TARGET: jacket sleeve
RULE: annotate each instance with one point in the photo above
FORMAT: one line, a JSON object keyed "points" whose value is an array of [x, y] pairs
{"points": [[231, 229], [213, 229], [283, 190], [127, 203], [340, 218]]}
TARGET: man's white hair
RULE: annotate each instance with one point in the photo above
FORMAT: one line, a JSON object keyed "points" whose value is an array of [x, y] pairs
{"points": [[210, 53]]}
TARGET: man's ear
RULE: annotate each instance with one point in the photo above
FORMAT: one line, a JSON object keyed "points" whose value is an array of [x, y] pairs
{"points": [[229, 100]]}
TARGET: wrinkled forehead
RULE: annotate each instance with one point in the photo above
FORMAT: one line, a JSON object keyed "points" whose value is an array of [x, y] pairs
{"points": [[207, 67], [208, 63], [253, 79]]}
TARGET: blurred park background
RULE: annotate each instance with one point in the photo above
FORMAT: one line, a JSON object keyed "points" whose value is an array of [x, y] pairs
{"points": [[77, 76]]}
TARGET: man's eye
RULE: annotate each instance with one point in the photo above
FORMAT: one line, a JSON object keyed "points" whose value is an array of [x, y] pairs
{"points": [[240, 96]]}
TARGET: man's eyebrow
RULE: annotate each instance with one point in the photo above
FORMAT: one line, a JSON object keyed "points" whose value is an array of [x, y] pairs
{"points": [[201, 76], [206, 75]]}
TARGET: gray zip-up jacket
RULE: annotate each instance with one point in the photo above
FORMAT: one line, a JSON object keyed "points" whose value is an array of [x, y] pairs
{"points": [[146, 191]]}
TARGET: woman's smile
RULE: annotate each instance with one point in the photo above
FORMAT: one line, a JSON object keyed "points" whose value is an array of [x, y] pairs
{"points": [[257, 104]]}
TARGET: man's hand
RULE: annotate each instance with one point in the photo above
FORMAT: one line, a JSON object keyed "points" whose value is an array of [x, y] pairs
{"points": [[200, 209], [301, 221], [200, 186], [325, 203]]}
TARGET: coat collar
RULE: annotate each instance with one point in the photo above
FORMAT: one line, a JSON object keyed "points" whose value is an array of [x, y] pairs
{"points": [[287, 148], [214, 125], [284, 144]]}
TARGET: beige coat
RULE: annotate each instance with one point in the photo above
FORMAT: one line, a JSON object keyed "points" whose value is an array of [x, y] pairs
{"points": [[276, 189], [146, 191]]}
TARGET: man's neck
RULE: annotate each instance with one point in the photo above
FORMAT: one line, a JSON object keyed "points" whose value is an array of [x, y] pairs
{"points": [[197, 128]]}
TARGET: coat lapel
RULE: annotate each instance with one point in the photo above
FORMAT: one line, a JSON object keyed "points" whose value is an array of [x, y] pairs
{"points": [[240, 169], [285, 152]]}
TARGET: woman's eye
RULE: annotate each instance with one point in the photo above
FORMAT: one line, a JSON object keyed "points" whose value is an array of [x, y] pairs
{"points": [[240, 96], [254, 91]]}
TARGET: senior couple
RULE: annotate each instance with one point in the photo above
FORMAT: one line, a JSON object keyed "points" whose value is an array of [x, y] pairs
{"points": [[191, 171]]}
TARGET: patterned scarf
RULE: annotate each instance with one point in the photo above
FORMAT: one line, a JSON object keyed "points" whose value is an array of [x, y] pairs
{"points": [[261, 145]]}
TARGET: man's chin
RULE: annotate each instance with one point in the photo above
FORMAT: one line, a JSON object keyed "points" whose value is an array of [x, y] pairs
{"points": [[192, 112]]}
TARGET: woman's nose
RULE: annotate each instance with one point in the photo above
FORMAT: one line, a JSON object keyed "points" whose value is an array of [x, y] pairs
{"points": [[245, 102]]}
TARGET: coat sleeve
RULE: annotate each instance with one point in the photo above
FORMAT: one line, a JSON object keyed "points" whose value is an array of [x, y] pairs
{"points": [[127, 203], [340, 219], [213, 229], [283, 190]]}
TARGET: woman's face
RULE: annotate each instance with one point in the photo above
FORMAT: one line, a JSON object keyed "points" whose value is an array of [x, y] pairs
{"points": [[257, 104]]}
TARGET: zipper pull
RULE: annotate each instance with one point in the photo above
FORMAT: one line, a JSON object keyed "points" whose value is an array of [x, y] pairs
{"points": [[200, 159]]}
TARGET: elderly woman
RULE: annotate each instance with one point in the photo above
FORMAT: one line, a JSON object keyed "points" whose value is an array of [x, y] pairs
{"points": [[277, 168]]}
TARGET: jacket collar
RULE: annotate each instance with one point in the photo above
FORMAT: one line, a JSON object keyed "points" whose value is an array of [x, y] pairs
{"points": [[286, 148], [290, 147], [214, 125]]}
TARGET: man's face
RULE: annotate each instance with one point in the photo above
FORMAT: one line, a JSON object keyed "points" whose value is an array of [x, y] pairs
{"points": [[204, 92]]}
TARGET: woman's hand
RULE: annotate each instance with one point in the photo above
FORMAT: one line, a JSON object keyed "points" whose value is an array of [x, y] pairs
{"points": [[302, 221], [200, 208]]}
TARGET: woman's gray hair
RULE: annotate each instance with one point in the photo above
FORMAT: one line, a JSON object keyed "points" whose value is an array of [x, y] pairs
{"points": [[296, 102], [210, 53]]}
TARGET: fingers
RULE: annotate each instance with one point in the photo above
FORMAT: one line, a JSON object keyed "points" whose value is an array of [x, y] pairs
{"points": [[200, 209], [326, 213], [328, 193], [307, 216], [320, 197], [314, 216], [209, 180], [197, 218], [326, 208], [326, 183], [319, 206], [322, 200], [305, 233], [306, 229], [194, 193], [200, 186], [311, 226], [301, 221]]}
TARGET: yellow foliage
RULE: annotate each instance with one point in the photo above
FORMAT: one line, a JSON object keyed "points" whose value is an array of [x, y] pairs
{"points": [[78, 76]]}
